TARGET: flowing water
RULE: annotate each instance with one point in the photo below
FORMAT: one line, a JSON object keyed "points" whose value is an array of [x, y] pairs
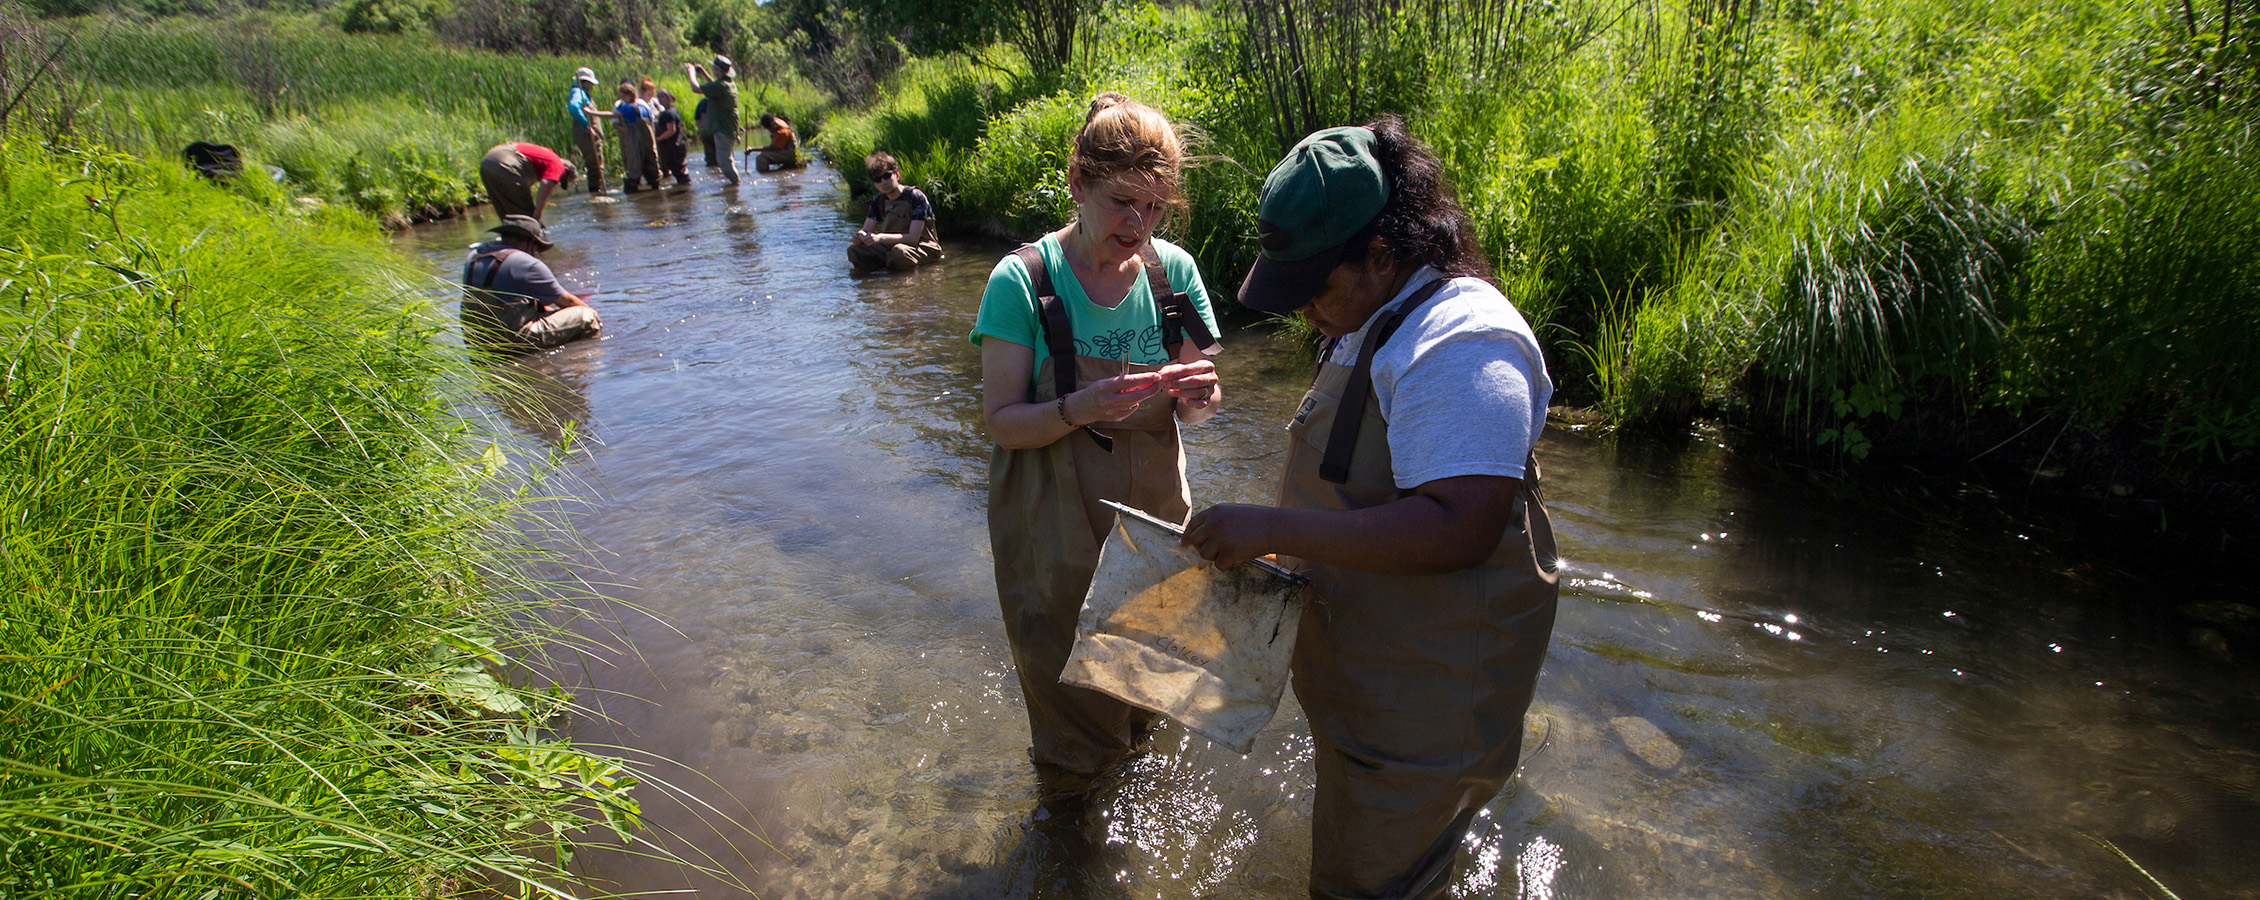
{"points": [[1762, 684]]}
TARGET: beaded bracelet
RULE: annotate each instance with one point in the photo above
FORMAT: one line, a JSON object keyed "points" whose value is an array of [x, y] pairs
{"points": [[1063, 413]]}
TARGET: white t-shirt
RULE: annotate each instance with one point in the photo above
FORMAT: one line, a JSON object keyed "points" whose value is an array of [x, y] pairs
{"points": [[1462, 383]]}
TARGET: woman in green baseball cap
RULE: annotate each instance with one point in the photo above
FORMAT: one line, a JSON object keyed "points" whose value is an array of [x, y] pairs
{"points": [[1410, 498]]}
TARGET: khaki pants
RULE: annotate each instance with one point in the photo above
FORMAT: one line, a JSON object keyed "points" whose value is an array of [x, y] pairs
{"points": [[899, 257], [565, 325], [558, 328], [724, 144]]}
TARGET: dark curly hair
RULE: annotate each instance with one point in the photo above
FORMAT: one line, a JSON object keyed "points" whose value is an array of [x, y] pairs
{"points": [[1422, 222]]}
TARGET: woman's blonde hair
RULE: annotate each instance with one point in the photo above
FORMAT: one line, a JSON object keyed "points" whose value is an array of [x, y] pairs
{"points": [[1121, 136]]}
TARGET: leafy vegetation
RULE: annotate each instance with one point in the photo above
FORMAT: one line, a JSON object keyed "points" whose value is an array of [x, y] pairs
{"points": [[246, 583], [1860, 225]]}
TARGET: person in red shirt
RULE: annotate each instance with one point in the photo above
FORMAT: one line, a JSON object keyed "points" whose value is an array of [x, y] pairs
{"points": [[510, 172]]}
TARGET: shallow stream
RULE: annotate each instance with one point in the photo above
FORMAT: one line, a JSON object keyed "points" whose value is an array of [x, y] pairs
{"points": [[1761, 684]]}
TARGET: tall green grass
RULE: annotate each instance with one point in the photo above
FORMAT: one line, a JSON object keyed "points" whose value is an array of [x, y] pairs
{"points": [[248, 645], [1825, 219]]}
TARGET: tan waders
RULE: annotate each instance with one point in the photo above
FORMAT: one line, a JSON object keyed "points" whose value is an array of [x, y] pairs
{"points": [[904, 257], [1046, 524], [591, 144], [1415, 686], [503, 171], [639, 156]]}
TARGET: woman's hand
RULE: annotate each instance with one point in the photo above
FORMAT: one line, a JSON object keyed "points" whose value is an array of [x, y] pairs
{"points": [[1229, 534], [1193, 383], [1112, 399]]}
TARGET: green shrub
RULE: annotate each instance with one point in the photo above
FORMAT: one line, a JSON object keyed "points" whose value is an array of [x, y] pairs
{"points": [[2143, 294], [388, 16]]}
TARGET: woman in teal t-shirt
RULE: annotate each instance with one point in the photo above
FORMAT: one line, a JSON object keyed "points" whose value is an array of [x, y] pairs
{"points": [[1104, 429]]}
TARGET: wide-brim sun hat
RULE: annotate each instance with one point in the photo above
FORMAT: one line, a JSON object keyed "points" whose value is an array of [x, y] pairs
{"points": [[1327, 190], [722, 63], [584, 74], [527, 227]]}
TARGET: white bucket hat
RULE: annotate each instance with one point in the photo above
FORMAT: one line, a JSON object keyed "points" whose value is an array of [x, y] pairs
{"points": [[584, 73]]}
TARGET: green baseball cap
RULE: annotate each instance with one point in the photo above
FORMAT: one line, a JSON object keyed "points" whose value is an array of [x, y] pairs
{"points": [[1327, 190]]}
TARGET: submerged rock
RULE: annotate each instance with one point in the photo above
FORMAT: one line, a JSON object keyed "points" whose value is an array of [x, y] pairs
{"points": [[1646, 741]]}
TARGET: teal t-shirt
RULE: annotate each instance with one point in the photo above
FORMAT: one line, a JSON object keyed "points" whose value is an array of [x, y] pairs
{"points": [[1130, 332]]}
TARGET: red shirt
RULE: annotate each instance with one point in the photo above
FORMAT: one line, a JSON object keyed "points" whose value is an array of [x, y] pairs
{"points": [[552, 166]]}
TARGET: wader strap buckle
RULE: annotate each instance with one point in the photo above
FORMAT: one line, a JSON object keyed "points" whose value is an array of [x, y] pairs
{"points": [[1349, 413]]}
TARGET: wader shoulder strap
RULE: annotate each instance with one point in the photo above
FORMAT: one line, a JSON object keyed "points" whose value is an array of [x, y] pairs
{"points": [[1349, 412], [1059, 334], [494, 259], [1178, 315]]}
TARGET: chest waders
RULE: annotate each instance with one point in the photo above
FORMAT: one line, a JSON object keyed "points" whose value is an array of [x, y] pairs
{"points": [[1047, 522], [1415, 685], [490, 317], [895, 219]]}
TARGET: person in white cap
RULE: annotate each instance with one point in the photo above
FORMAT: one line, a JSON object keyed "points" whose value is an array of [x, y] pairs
{"points": [[721, 110], [586, 135]]}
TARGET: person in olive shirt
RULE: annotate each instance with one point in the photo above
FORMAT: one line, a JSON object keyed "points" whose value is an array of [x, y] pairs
{"points": [[721, 110], [898, 229]]}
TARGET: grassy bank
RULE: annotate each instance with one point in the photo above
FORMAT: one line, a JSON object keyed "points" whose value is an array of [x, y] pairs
{"points": [[248, 645], [393, 124], [1865, 227]]}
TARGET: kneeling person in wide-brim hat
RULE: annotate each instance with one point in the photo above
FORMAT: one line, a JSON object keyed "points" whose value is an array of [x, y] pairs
{"points": [[510, 298]]}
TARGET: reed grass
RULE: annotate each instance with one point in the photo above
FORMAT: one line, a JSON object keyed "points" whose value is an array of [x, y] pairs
{"points": [[1816, 218], [249, 560]]}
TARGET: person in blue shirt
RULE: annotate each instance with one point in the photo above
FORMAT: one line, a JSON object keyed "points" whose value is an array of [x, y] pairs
{"points": [[639, 153], [586, 137]]}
